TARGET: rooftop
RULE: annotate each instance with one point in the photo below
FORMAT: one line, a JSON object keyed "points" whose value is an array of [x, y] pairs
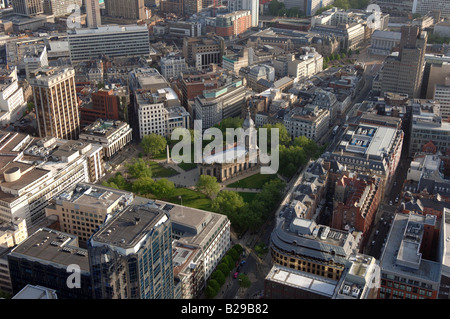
{"points": [[54, 247], [301, 280], [108, 29], [401, 253], [128, 228]]}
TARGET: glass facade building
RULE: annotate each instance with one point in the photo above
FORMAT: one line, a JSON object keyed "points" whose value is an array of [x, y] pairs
{"points": [[131, 256]]}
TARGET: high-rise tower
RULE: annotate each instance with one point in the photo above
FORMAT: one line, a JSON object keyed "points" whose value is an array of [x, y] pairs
{"points": [[56, 102]]}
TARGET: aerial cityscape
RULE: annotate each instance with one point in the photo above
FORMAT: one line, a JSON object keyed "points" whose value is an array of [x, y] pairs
{"points": [[242, 150]]}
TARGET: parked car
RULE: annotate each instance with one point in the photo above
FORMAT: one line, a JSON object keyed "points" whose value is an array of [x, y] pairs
{"points": [[236, 274]]}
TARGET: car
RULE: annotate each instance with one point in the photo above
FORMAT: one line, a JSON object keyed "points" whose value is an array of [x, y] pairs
{"points": [[377, 232], [390, 202], [238, 269], [236, 274], [373, 242], [243, 263]]}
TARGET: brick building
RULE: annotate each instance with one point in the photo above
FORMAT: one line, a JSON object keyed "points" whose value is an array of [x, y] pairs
{"points": [[356, 203], [232, 24]]}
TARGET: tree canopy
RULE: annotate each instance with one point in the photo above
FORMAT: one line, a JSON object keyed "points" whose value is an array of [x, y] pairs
{"points": [[153, 144], [208, 185], [139, 168]]}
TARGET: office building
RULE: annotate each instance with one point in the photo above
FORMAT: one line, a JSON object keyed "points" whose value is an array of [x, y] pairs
{"points": [[184, 28], [444, 289], [12, 99], [172, 7], [423, 7], [356, 201], [230, 25], [125, 9], [28, 7], [45, 259], [110, 104], [93, 17], [201, 52], [357, 282], [61, 8], [303, 245], [350, 36], [56, 102], [305, 65], [192, 6], [402, 71], [235, 61], [370, 148], [113, 136], [13, 233], [310, 121], [131, 255], [35, 170], [219, 103], [83, 209], [428, 125], [442, 95], [425, 179], [159, 111], [252, 5], [200, 241], [383, 42], [110, 41], [194, 82], [146, 78], [309, 7], [411, 262], [35, 58], [172, 65]]}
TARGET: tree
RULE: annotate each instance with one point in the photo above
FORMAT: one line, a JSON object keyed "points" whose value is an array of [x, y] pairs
{"points": [[163, 188], [212, 288], [233, 254], [219, 276], [117, 182], [223, 267], [208, 185], [275, 7], [244, 281], [307, 144], [30, 106], [283, 135], [229, 262], [227, 203], [210, 292], [139, 168], [238, 248], [153, 144], [143, 185]]}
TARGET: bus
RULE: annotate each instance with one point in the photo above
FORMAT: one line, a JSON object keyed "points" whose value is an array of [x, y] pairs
{"points": [[335, 129]]}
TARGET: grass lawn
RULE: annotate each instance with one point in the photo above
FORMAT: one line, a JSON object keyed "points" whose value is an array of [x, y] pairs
{"points": [[191, 198], [187, 166], [253, 181], [248, 197], [160, 171]]}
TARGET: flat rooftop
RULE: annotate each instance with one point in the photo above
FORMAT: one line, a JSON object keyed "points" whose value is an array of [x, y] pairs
{"points": [[127, 228], [401, 254], [301, 280], [196, 225], [108, 29], [54, 247]]}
